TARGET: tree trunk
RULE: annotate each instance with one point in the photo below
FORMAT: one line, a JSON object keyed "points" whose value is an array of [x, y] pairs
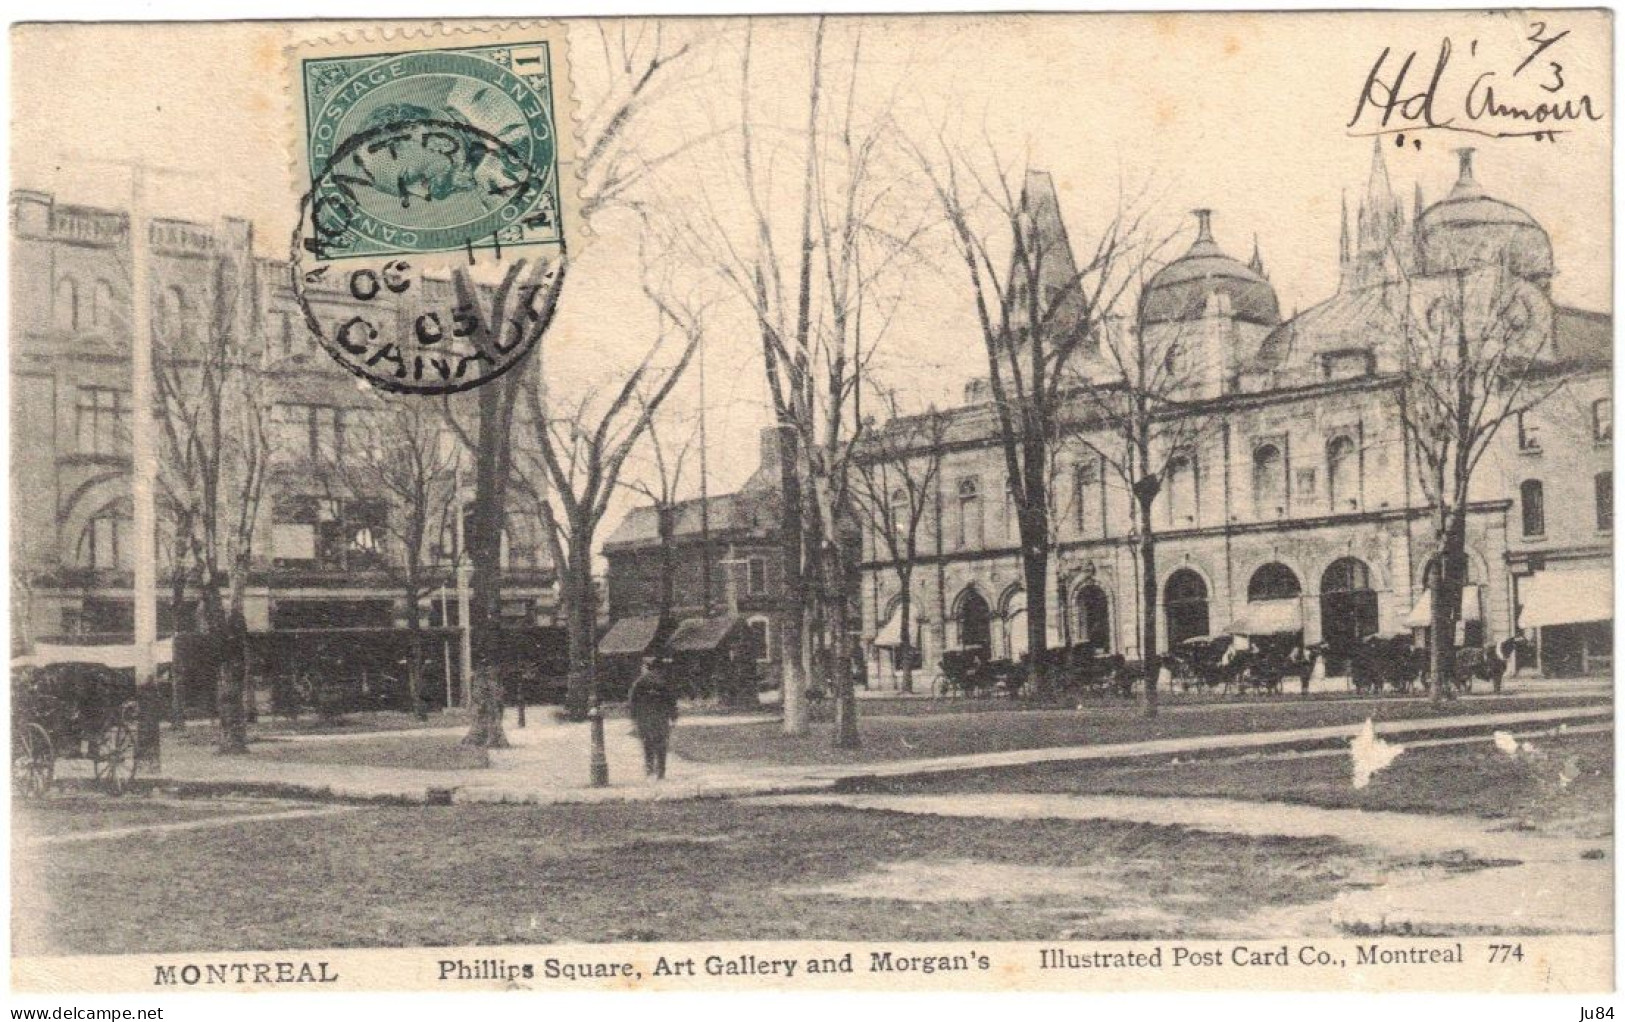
{"points": [[793, 650], [239, 581], [1446, 608], [492, 462], [904, 609], [1035, 553], [846, 697], [414, 662], [177, 693], [666, 527], [1148, 608], [232, 666], [485, 730], [581, 619]]}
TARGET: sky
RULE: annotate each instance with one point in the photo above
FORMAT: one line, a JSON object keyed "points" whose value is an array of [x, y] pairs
{"points": [[1246, 114]]}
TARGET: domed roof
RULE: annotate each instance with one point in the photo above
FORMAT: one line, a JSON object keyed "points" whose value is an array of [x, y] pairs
{"points": [[1469, 229], [1180, 291]]}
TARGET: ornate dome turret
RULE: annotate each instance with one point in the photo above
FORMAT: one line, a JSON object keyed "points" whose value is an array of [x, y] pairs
{"points": [[1182, 290], [1468, 229]]}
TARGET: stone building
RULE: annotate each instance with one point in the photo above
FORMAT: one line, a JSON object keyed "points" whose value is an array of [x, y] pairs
{"points": [[322, 555], [718, 555], [1296, 505]]}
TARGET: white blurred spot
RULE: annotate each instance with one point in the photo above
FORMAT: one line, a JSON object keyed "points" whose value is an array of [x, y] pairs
{"points": [[1371, 753]]}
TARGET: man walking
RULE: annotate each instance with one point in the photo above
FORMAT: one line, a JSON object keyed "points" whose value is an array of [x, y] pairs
{"points": [[653, 704]]}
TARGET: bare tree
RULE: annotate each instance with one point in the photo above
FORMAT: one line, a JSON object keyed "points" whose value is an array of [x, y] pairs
{"points": [[394, 453], [1037, 306], [1142, 421], [897, 473], [820, 305], [669, 446], [643, 65], [1476, 350], [213, 414], [520, 308], [583, 447]]}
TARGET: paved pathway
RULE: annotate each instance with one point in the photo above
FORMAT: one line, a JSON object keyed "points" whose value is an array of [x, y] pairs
{"points": [[549, 762]]}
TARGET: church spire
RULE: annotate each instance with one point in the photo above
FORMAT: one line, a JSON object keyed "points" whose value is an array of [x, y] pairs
{"points": [[1256, 263], [1343, 241]]}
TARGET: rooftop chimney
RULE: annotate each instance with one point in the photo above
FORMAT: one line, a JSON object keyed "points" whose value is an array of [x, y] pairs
{"points": [[1204, 225]]}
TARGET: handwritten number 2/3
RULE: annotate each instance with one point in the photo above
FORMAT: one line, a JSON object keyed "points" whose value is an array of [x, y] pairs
{"points": [[1537, 35]]}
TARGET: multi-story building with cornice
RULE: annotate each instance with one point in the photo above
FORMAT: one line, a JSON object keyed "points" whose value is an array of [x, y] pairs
{"points": [[322, 554]]}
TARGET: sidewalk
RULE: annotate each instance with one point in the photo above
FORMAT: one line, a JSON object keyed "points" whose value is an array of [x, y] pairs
{"points": [[549, 762]]}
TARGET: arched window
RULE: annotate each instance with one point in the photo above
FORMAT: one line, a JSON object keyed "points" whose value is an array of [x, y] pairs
{"points": [[1273, 581], [1086, 498], [1094, 619], [970, 514], [1532, 498], [1015, 625], [1184, 600], [1269, 481], [65, 304], [101, 305], [105, 543], [975, 620], [1342, 474], [1348, 606], [758, 639], [174, 315], [899, 516], [1181, 492]]}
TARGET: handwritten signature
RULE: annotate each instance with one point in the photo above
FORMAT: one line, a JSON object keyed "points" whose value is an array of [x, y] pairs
{"points": [[1535, 99]]}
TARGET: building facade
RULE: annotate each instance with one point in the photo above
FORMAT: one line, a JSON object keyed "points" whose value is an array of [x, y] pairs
{"points": [[1298, 495], [323, 551], [717, 555]]}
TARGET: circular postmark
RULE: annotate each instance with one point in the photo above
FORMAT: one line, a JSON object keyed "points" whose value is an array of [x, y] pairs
{"points": [[378, 315]]}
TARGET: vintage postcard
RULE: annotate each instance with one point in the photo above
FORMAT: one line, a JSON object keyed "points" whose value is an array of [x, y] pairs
{"points": [[1066, 502]]}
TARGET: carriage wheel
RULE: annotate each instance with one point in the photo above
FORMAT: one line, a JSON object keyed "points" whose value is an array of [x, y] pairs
{"points": [[114, 758], [33, 762]]}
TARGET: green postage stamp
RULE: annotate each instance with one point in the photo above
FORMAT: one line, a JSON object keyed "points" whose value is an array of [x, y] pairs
{"points": [[416, 145]]}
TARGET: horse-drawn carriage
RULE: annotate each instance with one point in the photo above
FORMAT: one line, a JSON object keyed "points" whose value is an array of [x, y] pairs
{"points": [[1396, 664], [1259, 652], [1086, 670], [75, 702], [962, 672], [1199, 663]]}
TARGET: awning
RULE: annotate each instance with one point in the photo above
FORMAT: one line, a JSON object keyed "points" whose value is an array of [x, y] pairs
{"points": [[1268, 617], [1472, 609], [1565, 597], [702, 634], [114, 657], [629, 636], [890, 634]]}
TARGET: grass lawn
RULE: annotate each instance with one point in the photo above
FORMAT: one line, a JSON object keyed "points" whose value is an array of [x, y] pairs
{"points": [[910, 737], [697, 870], [407, 752], [1472, 778]]}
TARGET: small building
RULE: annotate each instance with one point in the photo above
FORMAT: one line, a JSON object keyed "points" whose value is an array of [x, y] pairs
{"points": [[719, 555]]}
